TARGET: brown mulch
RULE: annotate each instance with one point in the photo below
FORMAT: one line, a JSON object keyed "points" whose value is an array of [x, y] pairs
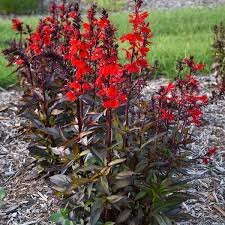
{"points": [[28, 201]]}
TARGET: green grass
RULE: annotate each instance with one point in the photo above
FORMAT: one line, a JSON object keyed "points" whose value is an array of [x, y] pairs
{"points": [[177, 33], [6, 35]]}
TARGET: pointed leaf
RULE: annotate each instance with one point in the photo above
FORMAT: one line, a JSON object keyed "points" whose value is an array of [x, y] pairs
{"points": [[96, 211], [115, 198], [123, 216], [2, 193], [124, 175], [117, 161]]}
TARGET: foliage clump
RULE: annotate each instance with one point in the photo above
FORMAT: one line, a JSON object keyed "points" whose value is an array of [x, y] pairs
{"points": [[114, 154], [18, 7]]}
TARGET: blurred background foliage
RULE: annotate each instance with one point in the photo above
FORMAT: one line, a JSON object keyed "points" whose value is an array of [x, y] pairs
{"points": [[19, 6]]}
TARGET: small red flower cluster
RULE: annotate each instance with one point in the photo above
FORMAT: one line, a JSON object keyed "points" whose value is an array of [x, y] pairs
{"points": [[180, 100], [138, 40], [94, 55], [17, 25], [208, 156]]}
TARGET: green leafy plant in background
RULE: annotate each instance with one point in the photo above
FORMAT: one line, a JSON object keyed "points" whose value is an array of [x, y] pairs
{"points": [[219, 55], [18, 6], [2, 196], [62, 217]]}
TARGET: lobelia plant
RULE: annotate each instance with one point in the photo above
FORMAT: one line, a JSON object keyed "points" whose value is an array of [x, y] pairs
{"points": [[118, 153], [219, 56]]}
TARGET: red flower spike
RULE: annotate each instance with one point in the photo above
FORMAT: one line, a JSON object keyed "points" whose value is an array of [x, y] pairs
{"points": [[17, 25]]}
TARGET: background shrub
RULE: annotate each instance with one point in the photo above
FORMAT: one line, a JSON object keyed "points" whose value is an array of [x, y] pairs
{"points": [[18, 7]]}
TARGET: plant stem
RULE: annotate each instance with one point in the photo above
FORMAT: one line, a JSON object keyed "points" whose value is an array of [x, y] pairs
{"points": [[109, 139], [79, 119], [79, 116]]}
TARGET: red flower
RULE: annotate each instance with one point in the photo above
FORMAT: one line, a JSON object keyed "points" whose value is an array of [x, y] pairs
{"points": [[132, 38], [144, 51], [193, 65], [171, 86], [73, 14], [142, 63], [212, 151], [208, 156], [75, 85], [86, 87], [111, 69], [71, 96], [196, 115], [17, 25], [206, 160], [35, 48], [132, 68], [112, 92], [103, 22], [188, 62], [198, 67], [19, 62], [138, 19], [111, 104], [167, 115]]}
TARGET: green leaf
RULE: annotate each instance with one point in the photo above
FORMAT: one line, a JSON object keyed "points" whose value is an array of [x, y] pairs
{"points": [[2, 193], [115, 198], [109, 223], [104, 184], [121, 184], [55, 217], [123, 216], [162, 220], [116, 161], [39, 152], [96, 210], [124, 175], [140, 195], [98, 157], [141, 166], [79, 181], [155, 138], [61, 217], [61, 182]]}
